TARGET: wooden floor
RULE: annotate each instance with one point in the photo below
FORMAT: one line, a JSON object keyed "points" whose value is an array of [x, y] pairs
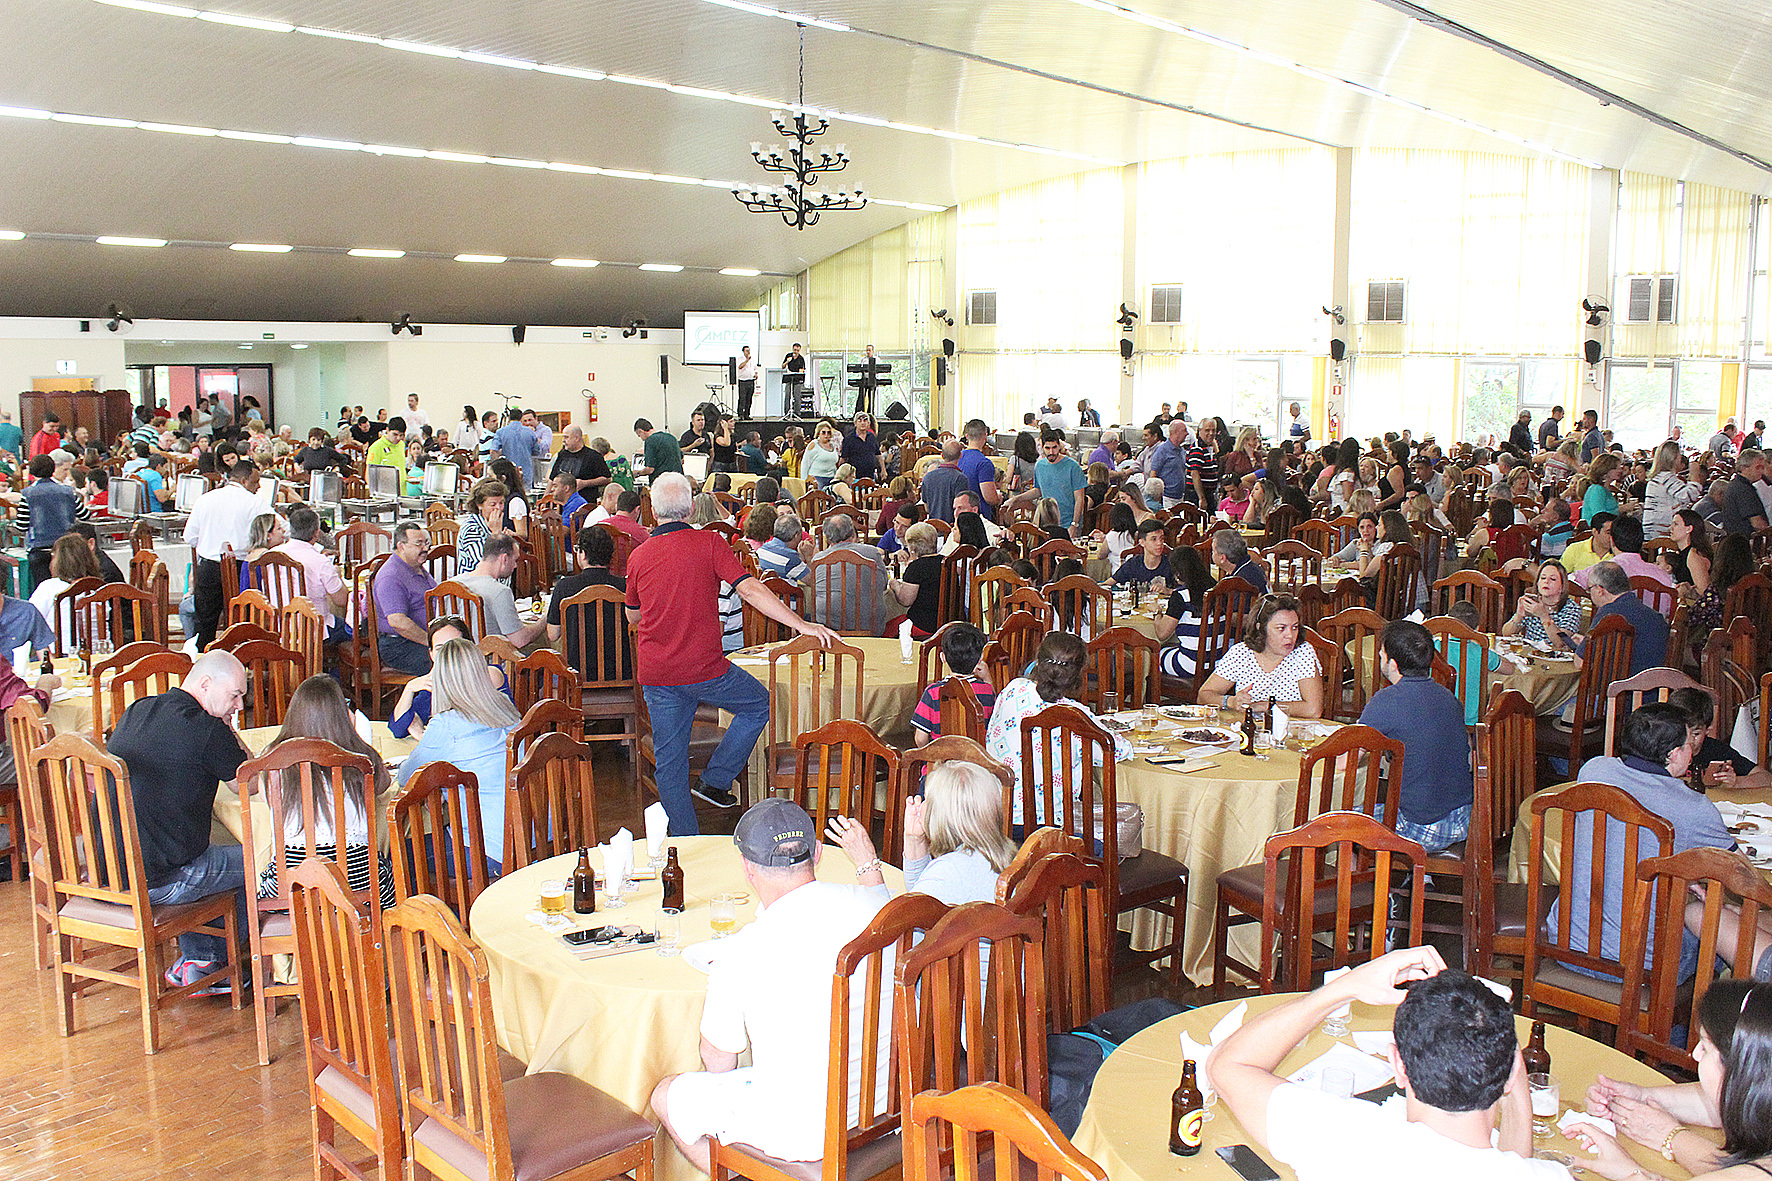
{"points": [[94, 1106]]}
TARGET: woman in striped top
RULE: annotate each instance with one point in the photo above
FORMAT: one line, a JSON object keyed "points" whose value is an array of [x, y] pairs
{"points": [[1178, 628]]}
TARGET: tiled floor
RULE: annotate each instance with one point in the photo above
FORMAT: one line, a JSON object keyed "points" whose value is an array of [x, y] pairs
{"points": [[94, 1106]]}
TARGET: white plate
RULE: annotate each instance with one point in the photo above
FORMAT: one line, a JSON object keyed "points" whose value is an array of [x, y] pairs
{"points": [[1220, 736], [700, 956]]}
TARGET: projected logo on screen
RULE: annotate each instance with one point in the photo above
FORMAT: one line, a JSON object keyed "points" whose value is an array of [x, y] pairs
{"points": [[709, 338], [711, 335]]}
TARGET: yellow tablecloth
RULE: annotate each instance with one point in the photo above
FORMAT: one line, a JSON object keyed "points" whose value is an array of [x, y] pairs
{"points": [[1519, 854], [625, 1022], [1125, 1128], [888, 695], [1547, 684]]}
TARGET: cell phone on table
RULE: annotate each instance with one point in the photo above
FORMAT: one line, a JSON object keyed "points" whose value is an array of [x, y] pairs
{"points": [[588, 935], [1247, 1162]]}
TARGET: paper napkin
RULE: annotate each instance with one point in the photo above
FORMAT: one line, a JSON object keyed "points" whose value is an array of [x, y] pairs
{"points": [[1227, 1025]]}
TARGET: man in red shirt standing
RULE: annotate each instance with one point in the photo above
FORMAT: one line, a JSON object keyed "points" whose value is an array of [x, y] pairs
{"points": [[674, 599], [48, 436]]}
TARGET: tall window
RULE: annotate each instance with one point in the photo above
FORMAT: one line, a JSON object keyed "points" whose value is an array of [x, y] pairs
{"points": [[1638, 402]]}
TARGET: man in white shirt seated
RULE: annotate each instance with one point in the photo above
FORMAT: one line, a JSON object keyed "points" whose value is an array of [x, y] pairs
{"points": [[491, 580], [769, 990], [1466, 1114], [606, 506]]}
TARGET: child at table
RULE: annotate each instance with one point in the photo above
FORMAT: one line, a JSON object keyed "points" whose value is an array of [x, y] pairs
{"points": [[961, 646], [1147, 563], [1465, 612]]}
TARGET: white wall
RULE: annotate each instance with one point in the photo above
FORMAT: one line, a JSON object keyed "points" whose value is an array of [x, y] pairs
{"points": [[30, 348]]}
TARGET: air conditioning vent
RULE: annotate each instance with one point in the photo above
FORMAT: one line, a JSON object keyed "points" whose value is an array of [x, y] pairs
{"points": [[1384, 302], [981, 307], [1166, 303], [1650, 299]]}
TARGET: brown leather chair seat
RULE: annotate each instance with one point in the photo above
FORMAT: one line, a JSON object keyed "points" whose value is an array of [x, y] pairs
{"points": [[556, 1122], [1248, 884], [1510, 908], [870, 1160], [1149, 871]]}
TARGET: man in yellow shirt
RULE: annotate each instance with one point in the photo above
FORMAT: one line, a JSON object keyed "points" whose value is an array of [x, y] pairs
{"points": [[1592, 550], [390, 449]]}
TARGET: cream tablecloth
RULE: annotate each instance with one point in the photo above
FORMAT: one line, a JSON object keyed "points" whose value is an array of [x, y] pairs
{"points": [[1125, 1128], [226, 828], [624, 1022], [1547, 684]]}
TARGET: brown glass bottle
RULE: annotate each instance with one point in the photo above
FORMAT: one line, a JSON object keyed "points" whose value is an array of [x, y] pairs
{"points": [[1248, 730], [48, 666], [1267, 719], [1535, 1057], [584, 885], [671, 878], [1187, 1114]]}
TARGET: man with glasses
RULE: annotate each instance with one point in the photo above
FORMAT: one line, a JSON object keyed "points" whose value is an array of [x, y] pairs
{"points": [[400, 615]]}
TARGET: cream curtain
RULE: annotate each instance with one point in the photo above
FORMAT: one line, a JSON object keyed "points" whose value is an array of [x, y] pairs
{"points": [[1716, 245], [1648, 243]]}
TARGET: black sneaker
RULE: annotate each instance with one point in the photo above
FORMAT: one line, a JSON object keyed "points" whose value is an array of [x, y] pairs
{"points": [[718, 797]]}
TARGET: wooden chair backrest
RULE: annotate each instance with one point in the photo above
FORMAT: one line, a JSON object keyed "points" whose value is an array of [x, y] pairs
{"points": [[1342, 851], [1222, 614], [280, 577], [305, 632], [1067, 892], [839, 765], [1292, 564], [1320, 536], [1469, 660], [1019, 638], [272, 674], [1399, 576], [141, 566], [624, 545], [758, 627], [1357, 632], [1348, 772], [915, 761], [1476, 587], [27, 730], [436, 836], [989, 590], [842, 588], [1028, 599], [1122, 660], [360, 541], [1650, 685], [1605, 660], [989, 1126], [236, 634], [555, 798], [1081, 605], [62, 619], [293, 778], [543, 675], [954, 593], [145, 675], [251, 606], [436, 511], [1060, 790], [931, 664], [1281, 520], [1035, 845], [1048, 555], [1751, 596], [1659, 596], [442, 562], [93, 846], [959, 708], [452, 598], [823, 672], [116, 614]]}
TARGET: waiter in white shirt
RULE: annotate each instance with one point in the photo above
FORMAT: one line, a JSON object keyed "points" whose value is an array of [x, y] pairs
{"points": [[221, 523], [416, 420], [747, 382]]}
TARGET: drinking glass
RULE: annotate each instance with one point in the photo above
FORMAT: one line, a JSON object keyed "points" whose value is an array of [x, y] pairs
{"points": [[1335, 1024], [1152, 722], [1110, 704], [1339, 1081], [1547, 1099], [553, 898], [670, 932], [613, 888], [724, 908]]}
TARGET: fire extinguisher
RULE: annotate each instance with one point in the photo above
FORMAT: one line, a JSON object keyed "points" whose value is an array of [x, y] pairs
{"points": [[591, 408]]}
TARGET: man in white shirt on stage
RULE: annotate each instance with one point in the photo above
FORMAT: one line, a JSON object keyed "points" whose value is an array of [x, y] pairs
{"points": [[747, 382]]}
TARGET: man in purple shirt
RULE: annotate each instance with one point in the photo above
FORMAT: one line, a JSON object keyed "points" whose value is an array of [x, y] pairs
{"points": [[1104, 453], [399, 593]]}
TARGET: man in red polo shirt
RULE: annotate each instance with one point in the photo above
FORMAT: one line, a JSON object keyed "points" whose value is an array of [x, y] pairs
{"points": [[673, 596]]}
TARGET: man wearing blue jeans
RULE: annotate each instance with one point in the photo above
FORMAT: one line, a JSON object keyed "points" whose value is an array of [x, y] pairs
{"points": [[180, 750], [673, 599]]}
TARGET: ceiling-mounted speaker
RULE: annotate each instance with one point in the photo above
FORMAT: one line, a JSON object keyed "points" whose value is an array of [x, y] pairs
{"points": [[1337, 349], [941, 371], [947, 346], [1125, 348], [1591, 350], [518, 332]]}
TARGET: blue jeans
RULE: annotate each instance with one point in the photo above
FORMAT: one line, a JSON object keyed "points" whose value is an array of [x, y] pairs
{"points": [[673, 714], [217, 870], [403, 655]]}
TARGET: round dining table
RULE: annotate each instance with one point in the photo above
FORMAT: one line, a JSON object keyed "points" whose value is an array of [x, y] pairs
{"points": [[1125, 1127], [623, 1022], [1546, 681]]}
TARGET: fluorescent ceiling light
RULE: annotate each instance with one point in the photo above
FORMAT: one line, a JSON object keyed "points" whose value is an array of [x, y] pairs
{"points": [[573, 262], [660, 266], [797, 17], [94, 120], [176, 129], [244, 346], [148, 6], [363, 252], [508, 162], [246, 22], [301, 345], [337, 145], [479, 258], [11, 235], [23, 113], [459, 157], [572, 72], [493, 59], [114, 240], [390, 150], [256, 137], [746, 272], [260, 247], [335, 35], [415, 47]]}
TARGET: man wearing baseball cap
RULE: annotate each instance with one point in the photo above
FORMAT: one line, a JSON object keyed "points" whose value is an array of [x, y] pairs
{"points": [[769, 990]]}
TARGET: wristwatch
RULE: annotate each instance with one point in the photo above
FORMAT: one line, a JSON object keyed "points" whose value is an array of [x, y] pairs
{"points": [[1667, 1144]]}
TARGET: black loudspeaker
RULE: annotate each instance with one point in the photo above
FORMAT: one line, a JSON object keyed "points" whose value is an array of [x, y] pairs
{"points": [[1125, 349], [947, 346], [941, 371], [1337, 349], [1591, 350], [664, 371], [518, 332], [897, 410], [731, 370]]}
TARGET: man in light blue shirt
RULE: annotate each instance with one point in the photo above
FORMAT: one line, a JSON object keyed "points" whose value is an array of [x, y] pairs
{"points": [[517, 442], [1169, 464], [1060, 477]]}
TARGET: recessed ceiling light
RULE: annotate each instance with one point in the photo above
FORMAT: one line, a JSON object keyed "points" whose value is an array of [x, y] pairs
{"points": [[113, 240], [11, 235], [298, 346], [361, 252], [660, 266], [260, 247], [744, 271], [574, 262], [479, 258]]}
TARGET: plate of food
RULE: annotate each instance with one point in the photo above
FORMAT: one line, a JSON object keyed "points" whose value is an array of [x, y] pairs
{"points": [[1187, 713], [1114, 725], [1557, 657], [1207, 736]]}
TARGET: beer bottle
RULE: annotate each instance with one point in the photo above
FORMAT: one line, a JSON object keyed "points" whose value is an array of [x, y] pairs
{"points": [[584, 885], [1248, 730], [48, 664], [1187, 1114], [671, 878], [1267, 719], [1536, 1058]]}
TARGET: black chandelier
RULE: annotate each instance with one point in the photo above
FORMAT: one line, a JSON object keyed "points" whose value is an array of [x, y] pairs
{"points": [[794, 199]]}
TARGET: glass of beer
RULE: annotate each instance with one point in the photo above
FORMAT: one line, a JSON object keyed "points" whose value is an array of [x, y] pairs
{"points": [[553, 898], [725, 914]]}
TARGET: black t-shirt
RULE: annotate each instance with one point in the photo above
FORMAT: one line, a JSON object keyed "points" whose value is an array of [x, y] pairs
{"points": [[925, 575], [1715, 750], [614, 623], [584, 464], [320, 459], [702, 444], [177, 755], [366, 433], [794, 364]]}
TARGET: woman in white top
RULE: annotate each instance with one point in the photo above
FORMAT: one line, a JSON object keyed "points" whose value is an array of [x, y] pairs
{"points": [[69, 562], [819, 463], [467, 431], [1056, 679], [1269, 662], [1668, 492], [954, 847]]}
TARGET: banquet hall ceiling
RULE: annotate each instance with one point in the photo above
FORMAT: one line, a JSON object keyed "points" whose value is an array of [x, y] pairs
{"points": [[1058, 85]]}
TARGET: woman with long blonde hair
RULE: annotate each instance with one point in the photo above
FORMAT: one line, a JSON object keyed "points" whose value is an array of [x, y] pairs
{"points": [[954, 846]]}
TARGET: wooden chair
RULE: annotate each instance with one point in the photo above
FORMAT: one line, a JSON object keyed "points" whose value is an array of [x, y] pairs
{"points": [[292, 779], [842, 593], [1063, 752], [1475, 587], [251, 606], [1222, 615], [1399, 576], [1282, 519], [1502, 777], [452, 598], [1357, 632], [1660, 597], [1046, 557], [543, 675], [931, 664], [305, 632], [1292, 564], [758, 627], [1349, 853], [116, 614], [26, 730], [1022, 1139], [1320, 536], [344, 1015], [1605, 660], [914, 762], [1469, 661], [272, 673], [1081, 605], [279, 577], [1122, 660], [822, 675], [1731, 893], [989, 590], [1765, 742], [595, 631], [1019, 640], [359, 543], [1067, 892], [624, 545], [1029, 599], [1598, 817], [953, 593], [959, 709], [1751, 596], [61, 615], [837, 768], [958, 1020], [236, 634], [859, 1144], [437, 838], [100, 891], [551, 801], [1650, 685], [442, 563], [468, 1123], [127, 677], [443, 531], [1355, 769]]}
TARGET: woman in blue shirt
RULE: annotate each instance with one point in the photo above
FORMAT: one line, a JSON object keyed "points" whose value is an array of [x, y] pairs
{"points": [[468, 731], [1599, 498], [412, 713]]}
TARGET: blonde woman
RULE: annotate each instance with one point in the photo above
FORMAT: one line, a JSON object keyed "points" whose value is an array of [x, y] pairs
{"points": [[469, 721], [1363, 501], [1561, 463], [1667, 492], [819, 461], [954, 847], [705, 510], [1047, 518]]}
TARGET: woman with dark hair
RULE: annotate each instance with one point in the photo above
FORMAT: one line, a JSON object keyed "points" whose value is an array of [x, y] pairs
{"points": [[969, 528], [1021, 469], [1338, 481], [1735, 561], [317, 709], [1546, 607], [1269, 662], [1178, 628], [1055, 679], [1488, 534], [1122, 533], [1394, 477], [516, 518], [1690, 563], [1733, 1092], [899, 492]]}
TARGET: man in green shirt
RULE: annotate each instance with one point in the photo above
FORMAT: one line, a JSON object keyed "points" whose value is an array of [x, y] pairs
{"points": [[661, 453]]}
